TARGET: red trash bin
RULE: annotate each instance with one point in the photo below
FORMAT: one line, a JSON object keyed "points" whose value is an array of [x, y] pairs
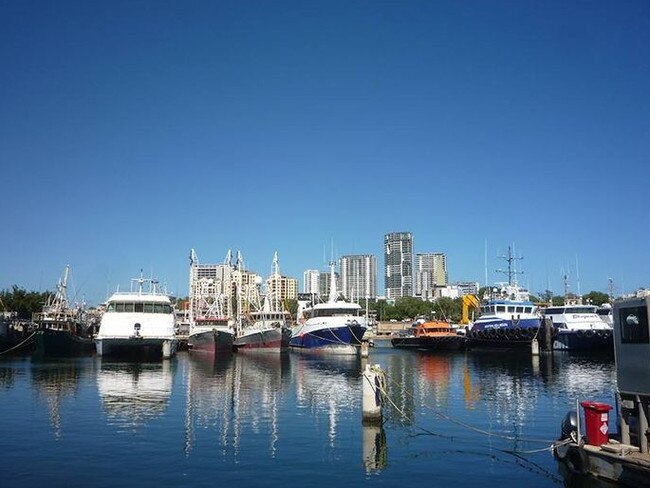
{"points": [[596, 422]]}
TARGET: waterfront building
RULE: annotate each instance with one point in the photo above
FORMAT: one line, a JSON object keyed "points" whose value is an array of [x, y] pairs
{"points": [[324, 283], [283, 287], [310, 280], [358, 276], [398, 265], [430, 271]]}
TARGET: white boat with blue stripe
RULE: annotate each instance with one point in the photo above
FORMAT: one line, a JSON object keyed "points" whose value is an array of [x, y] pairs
{"points": [[507, 316], [334, 327]]}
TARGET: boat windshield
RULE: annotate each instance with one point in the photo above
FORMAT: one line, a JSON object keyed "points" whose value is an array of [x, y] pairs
{"points": [[139, 307], [335, 312]]}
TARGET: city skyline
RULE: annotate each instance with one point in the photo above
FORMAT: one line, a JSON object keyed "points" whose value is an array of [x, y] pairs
{"points": [[127, 138]]}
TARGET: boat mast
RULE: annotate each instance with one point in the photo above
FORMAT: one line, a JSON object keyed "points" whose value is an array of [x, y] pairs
{"points": [[511, 272], [194, 260], [333, 291]]}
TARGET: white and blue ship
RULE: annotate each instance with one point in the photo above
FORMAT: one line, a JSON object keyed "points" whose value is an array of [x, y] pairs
{"points": [[334, 327], [507, 317]]}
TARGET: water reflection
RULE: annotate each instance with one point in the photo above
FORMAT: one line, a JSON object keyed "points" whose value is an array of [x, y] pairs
{"points": [[53, 382], [328, 384], [375, 448], [134, 393], [232, 391]]}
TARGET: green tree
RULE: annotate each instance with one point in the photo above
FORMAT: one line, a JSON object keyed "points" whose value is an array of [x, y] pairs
{"points": [[595, 298], [24, 302]]}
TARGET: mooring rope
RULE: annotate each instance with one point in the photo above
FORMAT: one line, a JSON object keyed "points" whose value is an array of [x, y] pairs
{"points": [[468, 426], [20, 344]]}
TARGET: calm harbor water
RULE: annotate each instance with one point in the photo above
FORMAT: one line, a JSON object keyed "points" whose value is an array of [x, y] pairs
{"points": [[259, 420]]}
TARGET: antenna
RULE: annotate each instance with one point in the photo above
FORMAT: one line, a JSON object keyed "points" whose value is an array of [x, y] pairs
{"points": [[511, 272], [610, 287], [486, 267], [578, 277]]}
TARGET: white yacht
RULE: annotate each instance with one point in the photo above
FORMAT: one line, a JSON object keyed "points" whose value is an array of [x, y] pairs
{"points": [[335, 327], [579, 328], [605, 314], [138, 321]]}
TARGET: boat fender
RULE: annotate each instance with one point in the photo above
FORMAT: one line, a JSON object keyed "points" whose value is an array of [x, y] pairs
{"points": [[580, 333], [589, 333]]}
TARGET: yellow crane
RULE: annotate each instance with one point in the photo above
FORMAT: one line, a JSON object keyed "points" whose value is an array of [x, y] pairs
{"points": [[470, 302]]}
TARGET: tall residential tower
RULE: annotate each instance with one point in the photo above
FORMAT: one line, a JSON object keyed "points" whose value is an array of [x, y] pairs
{"points": [[359, 276], [430, 271], [398, 262]]}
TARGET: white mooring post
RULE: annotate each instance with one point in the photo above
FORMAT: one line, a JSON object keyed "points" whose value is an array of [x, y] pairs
{"points": [[373, 384], [364, 348], [534, 347]]}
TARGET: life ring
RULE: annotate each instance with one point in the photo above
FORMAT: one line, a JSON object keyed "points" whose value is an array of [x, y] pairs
{"points": [[580, 333], [589, 333]]}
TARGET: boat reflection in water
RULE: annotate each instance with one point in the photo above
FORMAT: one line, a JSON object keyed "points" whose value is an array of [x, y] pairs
{"points": [[331, 384], [228, 394], [54, 382], [134, 393]]}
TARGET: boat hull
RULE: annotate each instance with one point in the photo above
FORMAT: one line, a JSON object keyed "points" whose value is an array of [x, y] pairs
{"points": [[164, 347], [584, 340], [504, 334], [336, 340], [273, 339], [442, 343], [61, 343], [211, 341]]}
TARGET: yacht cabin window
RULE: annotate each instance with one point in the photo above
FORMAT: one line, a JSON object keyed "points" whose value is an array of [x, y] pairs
{"points": [[501, 308], [139, 307]]}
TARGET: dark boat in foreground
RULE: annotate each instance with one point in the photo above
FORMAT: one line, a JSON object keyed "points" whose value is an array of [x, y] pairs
{"points": [[429, 335], [59, 330]]}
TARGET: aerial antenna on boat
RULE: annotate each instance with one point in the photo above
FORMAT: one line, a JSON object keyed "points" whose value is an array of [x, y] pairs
{"points": [[486, 266], [511, 272], [610, 289], [578, 277], [333, 290]]}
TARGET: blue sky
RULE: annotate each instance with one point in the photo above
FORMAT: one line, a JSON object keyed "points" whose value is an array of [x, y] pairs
{"points": [[131, 132]]}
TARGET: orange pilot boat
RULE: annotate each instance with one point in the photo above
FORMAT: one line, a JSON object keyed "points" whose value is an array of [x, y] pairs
{"points": [[429, 335]]}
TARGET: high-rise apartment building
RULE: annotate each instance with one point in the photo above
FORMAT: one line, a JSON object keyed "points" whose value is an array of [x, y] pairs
{"points": [[282, 287], [310, 280], [358, 276], [430, 271], [324, 280], [398, 264]]}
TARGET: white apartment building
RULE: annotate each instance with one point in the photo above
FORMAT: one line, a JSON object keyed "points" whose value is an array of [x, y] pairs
{"points": [[358, 276], [430, 271], [311, 282]]}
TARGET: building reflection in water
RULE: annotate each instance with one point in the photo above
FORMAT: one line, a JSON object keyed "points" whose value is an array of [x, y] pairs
{"points": [[53, 382], [134, 393]]}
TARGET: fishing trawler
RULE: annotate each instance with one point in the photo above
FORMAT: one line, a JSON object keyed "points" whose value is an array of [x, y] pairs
{"points": [[138, 322], [211, 328], [59, 329], [335, 327], [267, 328]]}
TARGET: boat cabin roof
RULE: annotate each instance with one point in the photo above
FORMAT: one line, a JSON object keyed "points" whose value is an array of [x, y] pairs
{"points": [[130, 297], [525, 303], [570, 309]]}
